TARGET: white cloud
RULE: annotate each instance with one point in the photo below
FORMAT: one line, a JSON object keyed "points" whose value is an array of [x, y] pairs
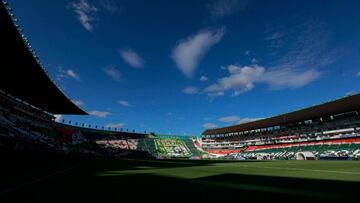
{"points": [[242, 79], [306, 46], [109, 5], [100, 114], [209, 118], [221, 8], [78, 102], [188, 52], [237, 119], [203, 78], [247, 120], [230, 119], [124, 103], [254, 61], [358, 74], [209, 125], [113, 72], [275, 36], [61, 74], [115, 125], [307, 51], [190, 90], [214, 90], [132, 58], [59, 118], [73, 74], [289, 78], [85, 13], [276, 39]]}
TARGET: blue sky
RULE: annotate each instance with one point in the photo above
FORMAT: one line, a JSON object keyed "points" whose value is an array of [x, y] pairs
{"points": [[182, 66]]}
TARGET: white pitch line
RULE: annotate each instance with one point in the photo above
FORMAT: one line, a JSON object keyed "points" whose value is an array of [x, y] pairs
{"points": [[38, 179]]}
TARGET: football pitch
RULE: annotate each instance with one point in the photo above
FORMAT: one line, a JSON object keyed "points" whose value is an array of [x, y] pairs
{"points": [[58, 178]]}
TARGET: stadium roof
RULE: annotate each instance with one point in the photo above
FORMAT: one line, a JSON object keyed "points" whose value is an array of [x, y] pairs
{"points": [[22, 76], [345, 104]]}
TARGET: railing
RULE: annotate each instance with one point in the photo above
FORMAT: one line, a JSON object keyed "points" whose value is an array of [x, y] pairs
{"points": [[86, 126]]}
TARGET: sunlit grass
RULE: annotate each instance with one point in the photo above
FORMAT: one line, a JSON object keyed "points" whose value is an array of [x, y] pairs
{"points": [[327, 170]]}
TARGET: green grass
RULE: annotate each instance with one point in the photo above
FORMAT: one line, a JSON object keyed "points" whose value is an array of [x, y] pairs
{"points": [[126, 180], [327, 170]]}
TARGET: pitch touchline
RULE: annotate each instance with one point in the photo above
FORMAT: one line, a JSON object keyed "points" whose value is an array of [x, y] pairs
{"points": [[38, 179]]}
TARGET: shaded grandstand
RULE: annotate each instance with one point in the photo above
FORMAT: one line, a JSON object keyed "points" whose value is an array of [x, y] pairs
{"points": [[28, 107]]}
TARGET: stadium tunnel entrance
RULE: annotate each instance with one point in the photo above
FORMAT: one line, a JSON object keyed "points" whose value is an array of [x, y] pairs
{"points": [[305, 156]]}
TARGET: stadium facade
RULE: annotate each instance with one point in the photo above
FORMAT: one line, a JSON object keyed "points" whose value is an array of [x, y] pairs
{"points": [[314, 128]]}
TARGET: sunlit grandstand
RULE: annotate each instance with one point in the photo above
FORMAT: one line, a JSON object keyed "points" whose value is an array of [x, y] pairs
{"points": [[44, 159], [325, 131], [174, 147]]}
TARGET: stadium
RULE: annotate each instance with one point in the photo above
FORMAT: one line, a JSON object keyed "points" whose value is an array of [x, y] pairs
{"points": [[306, 155]]}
